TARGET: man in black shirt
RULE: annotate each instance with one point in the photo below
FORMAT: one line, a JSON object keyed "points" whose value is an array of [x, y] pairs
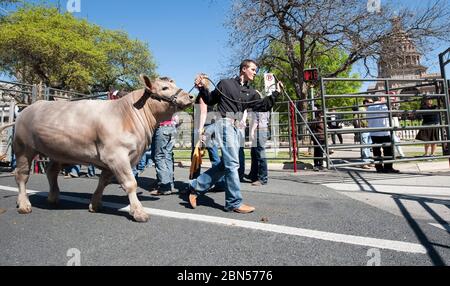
{"points": [[233, 97]]}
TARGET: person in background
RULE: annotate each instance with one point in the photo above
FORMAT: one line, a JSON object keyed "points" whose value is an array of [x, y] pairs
{"points": [[396, 123], [91, 171], [429, 134], [164, 140], [381, 120], [145, 161], [242, 125], [334, 122], [17, 110], [259, 132], [318, 128], [360, 121], [72, 171]]}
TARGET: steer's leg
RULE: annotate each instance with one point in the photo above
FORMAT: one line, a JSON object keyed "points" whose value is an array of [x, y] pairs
{"points": [[121, 168], [24, 160], [96, 201], [52, 176]]}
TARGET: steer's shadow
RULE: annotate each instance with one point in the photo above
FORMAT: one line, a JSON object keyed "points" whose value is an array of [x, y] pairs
{"points": [[142, 182]]}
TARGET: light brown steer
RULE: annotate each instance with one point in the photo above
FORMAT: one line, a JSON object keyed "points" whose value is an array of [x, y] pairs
{"points": [[112, 135]]}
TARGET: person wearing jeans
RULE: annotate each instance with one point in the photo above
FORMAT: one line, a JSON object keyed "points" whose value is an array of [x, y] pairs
{"points": [[365, 152], [91, 170], [365, 139], [164, 141], [228, 140], [213, 153], [241, 128], [381, 120], [145, 161], [259, 132], [233, 97]]}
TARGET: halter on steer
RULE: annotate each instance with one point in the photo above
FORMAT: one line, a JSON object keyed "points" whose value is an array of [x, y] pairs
{"points": [[172, 99]]}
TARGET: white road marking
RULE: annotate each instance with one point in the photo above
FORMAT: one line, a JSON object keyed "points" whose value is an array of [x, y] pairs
{"points": [[399, 246], [445, 227], [438, 195]]}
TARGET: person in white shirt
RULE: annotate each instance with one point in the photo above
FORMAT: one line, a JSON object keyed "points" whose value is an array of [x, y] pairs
{"points": [[380, 120]]}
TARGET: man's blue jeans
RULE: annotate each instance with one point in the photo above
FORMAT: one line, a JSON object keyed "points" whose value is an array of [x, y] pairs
{"points": [[258, 171], [210, 146], [241, 170], [145, 161], [164, 141], [91, 170], [365, 152], [74, 170], [228, 140]]}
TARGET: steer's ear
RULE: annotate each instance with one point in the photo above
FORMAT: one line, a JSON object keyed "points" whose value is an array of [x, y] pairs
{"points": [[147, 82]]}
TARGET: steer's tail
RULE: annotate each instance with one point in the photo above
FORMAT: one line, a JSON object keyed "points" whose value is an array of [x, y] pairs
{"points": [[3, 156]]}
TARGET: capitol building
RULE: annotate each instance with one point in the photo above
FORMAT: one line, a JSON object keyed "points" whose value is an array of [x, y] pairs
{"points": [[400, 59]]}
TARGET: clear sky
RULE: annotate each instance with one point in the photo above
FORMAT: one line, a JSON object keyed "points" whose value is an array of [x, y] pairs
{"points": [[185, 36]]}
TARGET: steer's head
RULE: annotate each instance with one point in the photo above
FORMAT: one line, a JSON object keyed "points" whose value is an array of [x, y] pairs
{"points": [[165, 89]]}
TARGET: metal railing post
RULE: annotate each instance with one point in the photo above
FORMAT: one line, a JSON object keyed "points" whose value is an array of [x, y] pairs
{"points": [[391, 121], [34, 92], [445, 86], [447, 105], [289, 131], [325, 126], [46, 93]]}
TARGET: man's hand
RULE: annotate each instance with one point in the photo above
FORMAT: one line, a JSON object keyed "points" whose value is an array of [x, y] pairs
{"points": [[280, 86], [200, 81], [202, 136], [241, 125]]}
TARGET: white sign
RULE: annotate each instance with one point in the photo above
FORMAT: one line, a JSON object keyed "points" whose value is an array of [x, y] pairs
{"points": [[269, 83]]}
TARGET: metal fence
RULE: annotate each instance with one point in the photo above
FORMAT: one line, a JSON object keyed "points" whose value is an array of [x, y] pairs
{"points": [[394, 108], [281, 143]]}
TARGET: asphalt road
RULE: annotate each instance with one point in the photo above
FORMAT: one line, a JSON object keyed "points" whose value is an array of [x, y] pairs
{"points": [[298, 221]]}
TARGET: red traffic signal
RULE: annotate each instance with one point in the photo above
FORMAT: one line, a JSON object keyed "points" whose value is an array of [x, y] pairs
{"points": [[311, 75]]}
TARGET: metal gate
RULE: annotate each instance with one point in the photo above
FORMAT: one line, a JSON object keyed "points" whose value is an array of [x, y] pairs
{"points": [[14, 96], [388, 89]]}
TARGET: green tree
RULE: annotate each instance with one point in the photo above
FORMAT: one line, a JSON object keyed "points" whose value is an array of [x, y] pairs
{"points": [[39, 44], [344, 24], [276, 61], [126, 59]]}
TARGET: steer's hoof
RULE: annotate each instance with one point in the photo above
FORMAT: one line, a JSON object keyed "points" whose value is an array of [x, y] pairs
{"points": [[141, 216], [24, 209], [95, 208]]}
